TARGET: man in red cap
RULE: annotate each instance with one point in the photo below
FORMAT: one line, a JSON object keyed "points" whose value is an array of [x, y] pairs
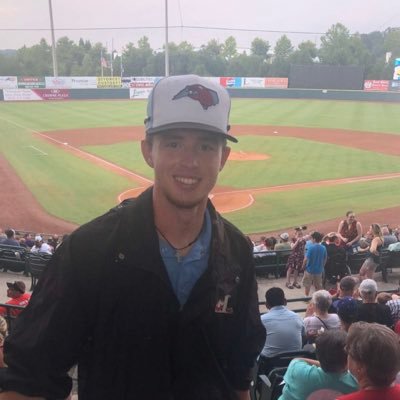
{"points": [[16, 291]]}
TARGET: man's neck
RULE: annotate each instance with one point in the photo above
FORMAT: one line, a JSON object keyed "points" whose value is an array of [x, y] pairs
{"points": [[178, 225]]}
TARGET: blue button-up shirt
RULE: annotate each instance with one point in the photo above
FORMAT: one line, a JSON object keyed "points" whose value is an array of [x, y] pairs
{"points": [[185, 271]]}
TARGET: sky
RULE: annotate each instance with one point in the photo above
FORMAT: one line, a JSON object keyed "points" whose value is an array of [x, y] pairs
{"points": [[236, 17]]}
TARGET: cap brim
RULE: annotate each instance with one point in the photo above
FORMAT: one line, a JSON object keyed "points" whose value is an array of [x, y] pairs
{"points": [[10, 285], [190, 125]]}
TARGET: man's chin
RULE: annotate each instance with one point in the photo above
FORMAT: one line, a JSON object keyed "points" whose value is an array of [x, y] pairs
{"points": [[187, 203]]}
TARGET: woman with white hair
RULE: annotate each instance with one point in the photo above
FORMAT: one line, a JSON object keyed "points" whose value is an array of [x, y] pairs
{"points": [[317, 317]]}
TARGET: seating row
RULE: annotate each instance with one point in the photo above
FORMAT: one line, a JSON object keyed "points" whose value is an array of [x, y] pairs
{"points": [[274, 262], [19, 259]]}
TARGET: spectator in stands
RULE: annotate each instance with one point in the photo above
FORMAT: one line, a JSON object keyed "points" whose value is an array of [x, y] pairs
{"points": [[347, 311], [283, 242], [393, 302], [369, 266], [374, 360], [41, 246], [295, 261], [350, 230], [317, 318], [10, 239], [347, 287], [270, 243], [53, 241], [261, 246], [388, 238], [313, 264], [370, 310], [16, 292], [335, 267], [28, 240], [285, 328], [156, 299], [3, 334], [306, 376]]}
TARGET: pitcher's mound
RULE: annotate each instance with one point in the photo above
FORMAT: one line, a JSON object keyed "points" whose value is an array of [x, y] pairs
{"points": [[245, 156]]}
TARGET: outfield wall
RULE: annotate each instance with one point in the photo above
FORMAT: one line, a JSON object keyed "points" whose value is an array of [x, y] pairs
{"points": [[142, 93]]}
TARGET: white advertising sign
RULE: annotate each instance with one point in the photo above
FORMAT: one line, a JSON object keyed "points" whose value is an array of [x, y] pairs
{"points": [[20, 95], [253, 82], [139, 93], [8, 82], [71, 82]]}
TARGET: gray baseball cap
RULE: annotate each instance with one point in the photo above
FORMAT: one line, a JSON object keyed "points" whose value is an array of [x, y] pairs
{"points": [[188, 102]]}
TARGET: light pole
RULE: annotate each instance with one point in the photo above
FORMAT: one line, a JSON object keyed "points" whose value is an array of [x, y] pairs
{"points": [[166, 40], [53, 42]]}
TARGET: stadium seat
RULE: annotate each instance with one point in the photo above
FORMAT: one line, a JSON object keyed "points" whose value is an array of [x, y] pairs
{"points": [[36, 263]]}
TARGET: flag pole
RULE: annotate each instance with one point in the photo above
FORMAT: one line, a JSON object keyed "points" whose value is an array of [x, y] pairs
{"points": [[101, 61]]}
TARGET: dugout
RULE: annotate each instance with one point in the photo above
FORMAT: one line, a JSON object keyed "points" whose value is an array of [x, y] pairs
{"points": [[339, 77]]}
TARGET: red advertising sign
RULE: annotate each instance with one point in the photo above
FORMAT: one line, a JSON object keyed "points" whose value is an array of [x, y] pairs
{"points": [[52, 94], [276, 83], [376, 85]]}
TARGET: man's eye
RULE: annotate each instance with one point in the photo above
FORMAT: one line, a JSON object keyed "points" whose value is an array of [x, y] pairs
{"points": [[173, 145], [206, 147]]}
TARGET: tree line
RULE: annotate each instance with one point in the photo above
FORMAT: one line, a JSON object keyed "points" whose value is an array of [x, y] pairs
{"points": [[375, 51]]}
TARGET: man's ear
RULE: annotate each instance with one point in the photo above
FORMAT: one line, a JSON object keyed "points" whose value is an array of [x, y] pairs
{"points": [[224, 157], [146, 147]]}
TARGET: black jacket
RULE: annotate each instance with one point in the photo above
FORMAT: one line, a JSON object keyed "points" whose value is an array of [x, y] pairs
{"points": [[105, 301]]}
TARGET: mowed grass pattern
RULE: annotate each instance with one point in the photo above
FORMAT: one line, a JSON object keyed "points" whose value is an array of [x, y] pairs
{"points": [[77, 190], [291, 160]]}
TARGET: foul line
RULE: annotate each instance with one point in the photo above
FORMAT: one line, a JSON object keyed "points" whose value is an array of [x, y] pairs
{"points": [[38, 150]]}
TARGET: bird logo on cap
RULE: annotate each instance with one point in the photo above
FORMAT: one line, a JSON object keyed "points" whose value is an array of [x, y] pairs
{"points": [[206, 97]]}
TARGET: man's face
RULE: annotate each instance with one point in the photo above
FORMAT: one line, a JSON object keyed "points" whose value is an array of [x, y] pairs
{"points": [[186, 165], [12, 293]]}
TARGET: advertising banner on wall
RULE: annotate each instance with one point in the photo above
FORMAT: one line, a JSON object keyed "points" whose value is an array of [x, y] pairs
{"points": [[139, 93], [20, 95], [253, 82], [107, 82], [8, 82], [276, 83], [376, 85], [395, 86], [31, 82], [230, 82], [35, 94], [52, 94], [71, 82], [139, 81], [396, 73]]}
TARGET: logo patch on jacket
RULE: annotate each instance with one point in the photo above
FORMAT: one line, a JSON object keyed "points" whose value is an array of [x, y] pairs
{"points": [[223, 307], [205, 96]]}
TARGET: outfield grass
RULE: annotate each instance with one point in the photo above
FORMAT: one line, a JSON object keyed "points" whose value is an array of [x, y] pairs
{"points": [[76, 190], [311, 161], [363, 116], [285, 209]]}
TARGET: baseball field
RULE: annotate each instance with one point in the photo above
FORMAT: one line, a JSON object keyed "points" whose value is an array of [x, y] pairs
{"points": [[297, 162]]}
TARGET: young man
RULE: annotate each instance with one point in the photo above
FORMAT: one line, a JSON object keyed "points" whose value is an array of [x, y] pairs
{"points": [[314, 262], [18, 297], [167, 308], [285, 328]]}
